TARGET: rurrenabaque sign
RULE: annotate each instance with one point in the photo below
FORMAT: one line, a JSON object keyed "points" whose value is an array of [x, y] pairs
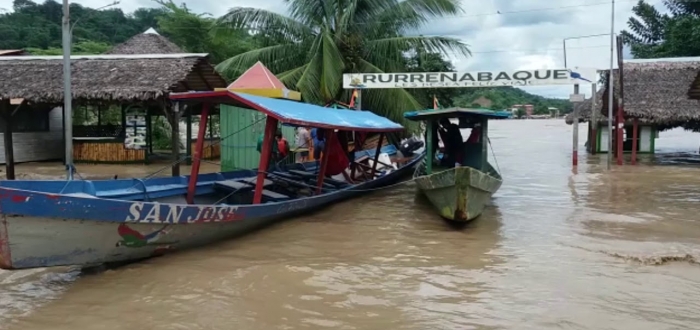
{"points": [[517, 78]]}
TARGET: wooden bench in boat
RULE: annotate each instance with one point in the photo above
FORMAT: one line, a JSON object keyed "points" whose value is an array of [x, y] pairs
{"points": [[327, 182], [238, 185]]}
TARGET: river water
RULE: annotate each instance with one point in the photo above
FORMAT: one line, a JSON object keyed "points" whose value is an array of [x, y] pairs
{"points": [[556, 250]]}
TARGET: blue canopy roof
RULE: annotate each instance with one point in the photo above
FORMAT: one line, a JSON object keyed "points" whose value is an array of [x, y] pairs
{"points": [[296, 113], [453, 113]]}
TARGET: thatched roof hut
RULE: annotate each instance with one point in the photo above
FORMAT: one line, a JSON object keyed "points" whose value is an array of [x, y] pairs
{"points": [[149, 42], [120, 78], [656, 92]]}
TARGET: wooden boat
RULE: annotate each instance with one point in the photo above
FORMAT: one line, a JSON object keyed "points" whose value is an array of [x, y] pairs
{"points": [[458, 193], [88, 223]]}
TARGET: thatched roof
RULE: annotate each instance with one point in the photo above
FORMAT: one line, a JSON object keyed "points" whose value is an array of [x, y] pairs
{"points": [[12, 52], [149, 42], [106, 77], [657, 90]]}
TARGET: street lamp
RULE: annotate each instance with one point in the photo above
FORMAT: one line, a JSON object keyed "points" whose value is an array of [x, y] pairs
{"points": [[67, 30]]}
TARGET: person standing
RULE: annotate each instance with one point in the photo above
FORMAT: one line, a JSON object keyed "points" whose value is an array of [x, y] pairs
{"points": [[302, 141]]}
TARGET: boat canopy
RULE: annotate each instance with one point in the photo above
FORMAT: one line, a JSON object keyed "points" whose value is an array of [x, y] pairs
{"points": [[295, 113], [456, 112]]}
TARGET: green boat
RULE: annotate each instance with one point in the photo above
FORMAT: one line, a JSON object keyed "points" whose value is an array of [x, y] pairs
{"points": [[459, 193]]}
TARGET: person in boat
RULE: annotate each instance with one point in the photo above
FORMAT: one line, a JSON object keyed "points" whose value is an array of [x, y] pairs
{"points": [[452, 139], [318, 138], [302, 141], [282, 147]]}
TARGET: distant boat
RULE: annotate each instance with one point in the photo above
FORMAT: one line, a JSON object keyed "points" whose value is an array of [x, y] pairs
{"points": [[88, 223], [458, 193]]}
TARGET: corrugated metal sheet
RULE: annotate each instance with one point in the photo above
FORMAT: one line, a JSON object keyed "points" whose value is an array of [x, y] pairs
{"points": [[239, 138]]}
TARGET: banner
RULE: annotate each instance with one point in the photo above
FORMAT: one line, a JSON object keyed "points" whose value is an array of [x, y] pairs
{"points": [[517, 78]]}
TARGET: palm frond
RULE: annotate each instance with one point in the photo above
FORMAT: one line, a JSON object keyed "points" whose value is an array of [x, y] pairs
{"points": [[277, 58], [435, 44], [264, 20], [407, 15]]}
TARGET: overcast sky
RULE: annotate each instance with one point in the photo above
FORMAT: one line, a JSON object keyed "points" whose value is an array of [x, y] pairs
{"points": [[527, 34]]}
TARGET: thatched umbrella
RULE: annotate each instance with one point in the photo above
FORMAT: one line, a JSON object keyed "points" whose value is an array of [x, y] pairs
{"points": [[149, 42]]}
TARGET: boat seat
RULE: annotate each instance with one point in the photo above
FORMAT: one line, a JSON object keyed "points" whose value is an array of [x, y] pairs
{"points": [[253, 180], [304, 174], [235, 185]]}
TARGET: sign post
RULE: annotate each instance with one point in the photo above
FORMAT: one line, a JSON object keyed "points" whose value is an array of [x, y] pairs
{"points": [[576, 99]]}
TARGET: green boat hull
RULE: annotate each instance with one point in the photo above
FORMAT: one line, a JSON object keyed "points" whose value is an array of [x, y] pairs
{"points": [[460, 193]]}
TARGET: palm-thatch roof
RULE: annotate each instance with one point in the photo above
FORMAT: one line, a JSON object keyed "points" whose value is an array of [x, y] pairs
{"points": [[115, 78], [149, 42], [657, 90]]}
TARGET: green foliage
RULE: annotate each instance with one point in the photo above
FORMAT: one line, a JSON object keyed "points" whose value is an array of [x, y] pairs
{"points": [[318, 42], [651, 34], [505, 97]]}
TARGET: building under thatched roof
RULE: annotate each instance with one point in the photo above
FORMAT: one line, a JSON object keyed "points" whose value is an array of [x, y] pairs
{"points": [[149, 42], [119, 78], [657, 90]]}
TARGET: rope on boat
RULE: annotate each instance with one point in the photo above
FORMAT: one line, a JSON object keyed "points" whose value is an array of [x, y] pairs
{"points": [[494, 155]]}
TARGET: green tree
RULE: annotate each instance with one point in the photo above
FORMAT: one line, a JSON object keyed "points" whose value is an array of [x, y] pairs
{"points": [[197, 33], [651, 34], [319, 41], [422, 61]]}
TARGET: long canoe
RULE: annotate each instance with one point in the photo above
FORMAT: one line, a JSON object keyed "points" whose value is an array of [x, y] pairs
{"points": [[88, 223]]}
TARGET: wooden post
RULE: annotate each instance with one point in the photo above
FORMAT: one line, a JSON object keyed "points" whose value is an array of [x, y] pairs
{"points": [[621, 103], [198, 151], [593, 141], [188, 139], [9, 147], [429, 146], [265, 155], [330, 138], [484, 144], [175, 137], [574, 156], [635, 126], [211, 135], [376, 154]]}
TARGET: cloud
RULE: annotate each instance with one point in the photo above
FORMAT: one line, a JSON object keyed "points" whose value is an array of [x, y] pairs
{"points": [[526, 33]]}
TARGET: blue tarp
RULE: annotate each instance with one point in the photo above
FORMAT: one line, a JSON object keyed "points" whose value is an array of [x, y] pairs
{"points": [[312, 115]]}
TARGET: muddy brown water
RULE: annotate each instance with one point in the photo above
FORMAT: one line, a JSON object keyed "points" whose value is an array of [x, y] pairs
{"points": [[556, 250]]}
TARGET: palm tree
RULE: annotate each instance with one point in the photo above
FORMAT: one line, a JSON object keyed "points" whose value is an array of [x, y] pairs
{"points": [[319, 40]]}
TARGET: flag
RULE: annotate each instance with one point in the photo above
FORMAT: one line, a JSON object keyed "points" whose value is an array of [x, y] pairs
{"points": [[436, 104], [353, 98]]}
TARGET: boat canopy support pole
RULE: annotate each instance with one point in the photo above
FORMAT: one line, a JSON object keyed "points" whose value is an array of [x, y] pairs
{"points": [[330, 139], [376, 154], [9, 148], [198, 152], [188, 138], [175, 135], [429, 146], [265, 155], [484, 144]]}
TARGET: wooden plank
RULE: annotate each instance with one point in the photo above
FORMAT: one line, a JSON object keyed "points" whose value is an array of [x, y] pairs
{"points": [[274, 195], [304, 174], [233, 185], [253, 179]]}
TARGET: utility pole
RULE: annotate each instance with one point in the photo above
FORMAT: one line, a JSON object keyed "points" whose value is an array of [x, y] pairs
{"points": [[610, 84], [67, 93]]}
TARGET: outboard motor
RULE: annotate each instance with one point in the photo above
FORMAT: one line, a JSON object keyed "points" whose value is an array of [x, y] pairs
{"points": [[408, 146]]}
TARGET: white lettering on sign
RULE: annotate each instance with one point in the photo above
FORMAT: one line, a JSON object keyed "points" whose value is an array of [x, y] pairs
{"points": [[140, 212], [470, 79]]}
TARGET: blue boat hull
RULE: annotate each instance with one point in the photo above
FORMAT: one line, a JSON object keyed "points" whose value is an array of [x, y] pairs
{"points": [[86, 226]]}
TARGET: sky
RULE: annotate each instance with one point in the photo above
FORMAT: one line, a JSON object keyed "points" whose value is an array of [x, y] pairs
{"points": [[502, 34]]}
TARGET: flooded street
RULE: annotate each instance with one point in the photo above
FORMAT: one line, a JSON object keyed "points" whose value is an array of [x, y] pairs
{"points": [[556, 250]]}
